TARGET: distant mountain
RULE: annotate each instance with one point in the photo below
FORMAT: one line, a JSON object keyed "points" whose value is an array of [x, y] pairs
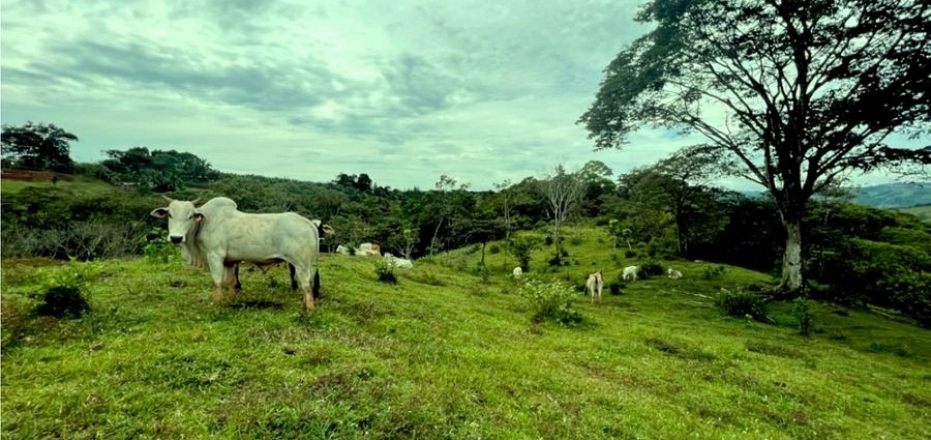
{"points": [[895, 195], [890, 195]]}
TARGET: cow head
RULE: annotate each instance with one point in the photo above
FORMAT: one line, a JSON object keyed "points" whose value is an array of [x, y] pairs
{"points": [[183, 218]]}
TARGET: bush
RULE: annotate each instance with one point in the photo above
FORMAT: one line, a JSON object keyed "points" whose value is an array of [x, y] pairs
{"points": [[615, 288], [802, 311], [494, 249], [650, 269], [630, 253], [575, 241], [548, 241], [63, 301], [713, 273], [385, 272], [156, 247], [741, 304], [552, 301]]}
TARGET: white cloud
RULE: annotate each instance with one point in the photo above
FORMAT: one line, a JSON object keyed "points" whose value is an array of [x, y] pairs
{"points": [[404, 91]]}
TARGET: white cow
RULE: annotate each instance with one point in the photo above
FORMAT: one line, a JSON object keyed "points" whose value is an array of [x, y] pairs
{"points": [[366, 249], [402, 263], [343, 250], [674, 274], [630, 273], [518, 272], [218, 236], [595, 284]]}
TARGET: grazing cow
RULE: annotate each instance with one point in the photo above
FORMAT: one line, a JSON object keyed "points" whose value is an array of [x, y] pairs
{"points": [[595, 284], [518, 272], [402, 263], [218, 236], [630, 273], [343, 250], [674, 274]]}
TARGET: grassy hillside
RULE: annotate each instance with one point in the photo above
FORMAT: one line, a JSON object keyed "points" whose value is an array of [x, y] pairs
{"points": [[445, 354], [893, 195], [83, 185], [922, 212]]}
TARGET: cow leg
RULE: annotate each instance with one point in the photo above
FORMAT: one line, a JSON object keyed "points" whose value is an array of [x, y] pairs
{"points": [[219, 273], [316, 288], [231, 274], [306, 276], [238, 285], [291, 272]]}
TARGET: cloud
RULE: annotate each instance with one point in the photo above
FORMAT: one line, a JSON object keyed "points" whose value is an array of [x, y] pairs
{"points": [[404, 91]]}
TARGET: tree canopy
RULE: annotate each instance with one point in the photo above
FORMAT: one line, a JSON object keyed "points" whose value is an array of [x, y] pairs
{"points": [[39, 146], [797, 93]]}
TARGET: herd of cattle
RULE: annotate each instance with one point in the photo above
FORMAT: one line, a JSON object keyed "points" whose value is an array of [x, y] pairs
{"points": [[218, 237]]}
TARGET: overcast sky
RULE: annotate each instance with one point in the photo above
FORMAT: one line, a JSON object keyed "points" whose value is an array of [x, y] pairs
{"points": [[403, 90]]}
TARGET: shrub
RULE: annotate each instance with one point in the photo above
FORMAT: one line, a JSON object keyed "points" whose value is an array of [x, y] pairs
{"points": [[630, 253], [548, 241], [494, 249], [713, 273], [741, 304], [385, 271], [522, 246], [802, 311], [552, 301], [650, 269], [63, 301], [156, 247], [615, 288], [554, 261], [575, 241]]}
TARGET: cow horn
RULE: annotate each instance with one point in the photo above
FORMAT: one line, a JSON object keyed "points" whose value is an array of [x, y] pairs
{"points": [[167, 199], [196, 201]]}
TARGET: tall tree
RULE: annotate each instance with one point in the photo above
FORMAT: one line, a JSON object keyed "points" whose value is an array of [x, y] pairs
{"points": [[798, 92], [39, 146], [562, 191], [677, 185]]}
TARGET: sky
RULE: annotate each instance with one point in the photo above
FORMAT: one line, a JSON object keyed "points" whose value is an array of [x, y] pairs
{"points": [[405, 91]]}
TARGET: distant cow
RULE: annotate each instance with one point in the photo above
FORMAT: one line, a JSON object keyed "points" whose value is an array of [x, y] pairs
{"points": [[674, 274], [595, 284], [518, 272], [217, 236], [366, 249], [630, 273], [402, 263]]}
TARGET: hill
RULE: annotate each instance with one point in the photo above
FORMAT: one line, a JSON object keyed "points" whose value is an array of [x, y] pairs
{"points": [[922, 212], [446, 353], [895, 195]]}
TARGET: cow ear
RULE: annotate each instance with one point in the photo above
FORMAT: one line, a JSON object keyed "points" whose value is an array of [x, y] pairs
{"points": [[159, 213], [199, 217]]}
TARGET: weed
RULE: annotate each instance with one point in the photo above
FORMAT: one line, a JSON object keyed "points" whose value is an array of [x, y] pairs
{"points": [[898, 349], [385, 272]]}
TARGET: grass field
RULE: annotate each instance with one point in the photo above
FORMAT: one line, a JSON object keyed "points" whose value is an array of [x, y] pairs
{"points": [[922, 212], [83, 185], [446, 354]]}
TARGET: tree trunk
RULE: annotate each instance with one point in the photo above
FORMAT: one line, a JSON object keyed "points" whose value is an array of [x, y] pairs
{"points": [[792, 258]]}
